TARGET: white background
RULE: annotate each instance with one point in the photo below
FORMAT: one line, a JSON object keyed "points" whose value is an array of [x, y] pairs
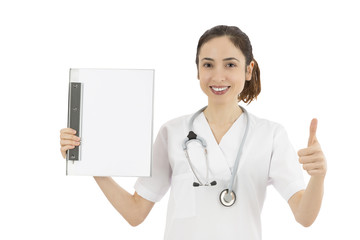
{"points": [[308, 56]]}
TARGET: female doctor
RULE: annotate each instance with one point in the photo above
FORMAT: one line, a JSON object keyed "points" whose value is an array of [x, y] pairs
{"points": [[219, 161]]}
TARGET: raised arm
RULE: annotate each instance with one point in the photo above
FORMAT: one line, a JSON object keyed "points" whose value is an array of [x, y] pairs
{"points": [[306, 204], [133, 208]]}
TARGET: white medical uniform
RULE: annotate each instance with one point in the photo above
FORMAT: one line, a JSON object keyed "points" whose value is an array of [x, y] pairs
{"points": [[195, 212]]}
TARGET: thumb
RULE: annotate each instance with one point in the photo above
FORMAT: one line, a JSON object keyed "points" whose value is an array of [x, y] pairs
{"points": [[313, 127]]}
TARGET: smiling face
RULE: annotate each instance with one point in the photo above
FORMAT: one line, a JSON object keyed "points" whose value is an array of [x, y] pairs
{"points": [[222, 70]]}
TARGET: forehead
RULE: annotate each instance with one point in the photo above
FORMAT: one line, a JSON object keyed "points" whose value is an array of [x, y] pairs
{"points": [[220, 47]]}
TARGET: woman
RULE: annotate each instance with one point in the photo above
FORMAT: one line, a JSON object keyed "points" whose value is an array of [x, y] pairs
{"points": [[228, 73]]}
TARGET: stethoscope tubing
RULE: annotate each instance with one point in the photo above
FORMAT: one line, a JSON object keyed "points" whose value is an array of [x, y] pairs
{"points": [[238, 157], [229, 192]]}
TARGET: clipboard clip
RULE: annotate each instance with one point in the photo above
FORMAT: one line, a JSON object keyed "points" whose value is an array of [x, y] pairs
{"points": [[74, 116]]}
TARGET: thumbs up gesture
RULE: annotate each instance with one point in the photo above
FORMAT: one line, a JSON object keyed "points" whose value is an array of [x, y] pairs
{"points": [[312, 157]]}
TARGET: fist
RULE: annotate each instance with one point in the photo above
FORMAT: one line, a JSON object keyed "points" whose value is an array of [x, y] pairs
{"points": [[312, 158], [68, 140]]}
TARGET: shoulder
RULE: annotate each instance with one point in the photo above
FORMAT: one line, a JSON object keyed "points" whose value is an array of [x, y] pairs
{"points": [[265, 126], [176, 123], [175, 126], [259, 122], [266, 133]]}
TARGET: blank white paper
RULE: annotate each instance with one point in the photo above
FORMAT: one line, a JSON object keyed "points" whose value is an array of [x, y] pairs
{"points": [[116, 122]]}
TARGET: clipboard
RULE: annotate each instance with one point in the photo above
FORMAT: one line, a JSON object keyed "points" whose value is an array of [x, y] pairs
{"points": [[112, 112]]}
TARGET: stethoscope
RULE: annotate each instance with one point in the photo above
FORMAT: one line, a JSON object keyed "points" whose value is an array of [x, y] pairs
{"points": [[227, 196]]}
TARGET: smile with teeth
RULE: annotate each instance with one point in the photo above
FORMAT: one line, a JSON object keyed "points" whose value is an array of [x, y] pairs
{"points": [[219, 90]]}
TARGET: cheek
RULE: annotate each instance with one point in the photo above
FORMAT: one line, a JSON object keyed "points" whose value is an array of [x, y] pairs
{"points": [[203, 77], [202, 74], [203, 83], [239, 83]]}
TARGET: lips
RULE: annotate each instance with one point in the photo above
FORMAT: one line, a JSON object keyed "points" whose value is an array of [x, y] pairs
{"points": [[219, 90]]}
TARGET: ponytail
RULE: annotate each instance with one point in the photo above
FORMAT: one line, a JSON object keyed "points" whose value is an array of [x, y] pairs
{"points": [[252, 88]]}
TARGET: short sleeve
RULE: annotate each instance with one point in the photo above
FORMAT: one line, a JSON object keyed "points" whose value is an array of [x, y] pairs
{"points": [[285, 172], [155, 187]]}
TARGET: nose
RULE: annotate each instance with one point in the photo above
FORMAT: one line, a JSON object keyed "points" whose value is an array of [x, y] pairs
{"points": [[219, 75]]}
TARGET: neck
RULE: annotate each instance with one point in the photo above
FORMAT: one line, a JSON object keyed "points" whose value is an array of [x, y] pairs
{"points": [[223, 114]]}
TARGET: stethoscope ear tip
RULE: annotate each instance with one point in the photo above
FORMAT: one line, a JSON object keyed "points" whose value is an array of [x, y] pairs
{"points": [[195, 184]]}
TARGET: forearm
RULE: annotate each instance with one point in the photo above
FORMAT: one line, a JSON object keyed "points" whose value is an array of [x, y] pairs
{"points": [[123, 202], [310, 202]]}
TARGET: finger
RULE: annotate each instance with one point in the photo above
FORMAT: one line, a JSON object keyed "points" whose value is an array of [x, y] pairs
{"points": [[69, 142], [308, 159], [69, 137], [64, 149], [67, 147], [313, 127], [316, 172], [309, 150], [68, 130], [312, 166]]}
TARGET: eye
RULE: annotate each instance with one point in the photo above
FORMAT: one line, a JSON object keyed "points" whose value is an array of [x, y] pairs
{"points": [[207, 65], [231, 65]]}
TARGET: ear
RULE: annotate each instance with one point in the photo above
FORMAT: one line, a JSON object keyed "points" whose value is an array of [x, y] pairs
{"points": [[249, 69]]}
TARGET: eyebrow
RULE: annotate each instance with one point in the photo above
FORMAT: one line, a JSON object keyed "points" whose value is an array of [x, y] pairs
{"points": [[225, 59]]}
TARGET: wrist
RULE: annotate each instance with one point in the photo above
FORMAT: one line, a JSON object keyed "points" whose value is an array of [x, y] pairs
{"points": [[317, 179]]}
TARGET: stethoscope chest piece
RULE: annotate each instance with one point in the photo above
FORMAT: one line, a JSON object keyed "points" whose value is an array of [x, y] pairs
{"points": [[227, 199]]}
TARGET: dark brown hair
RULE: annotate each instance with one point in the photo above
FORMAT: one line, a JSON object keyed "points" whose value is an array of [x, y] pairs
{"points": [[252, 88]]}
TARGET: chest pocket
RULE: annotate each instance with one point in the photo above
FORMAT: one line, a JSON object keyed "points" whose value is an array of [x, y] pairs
{"points": [[183, 196]]}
